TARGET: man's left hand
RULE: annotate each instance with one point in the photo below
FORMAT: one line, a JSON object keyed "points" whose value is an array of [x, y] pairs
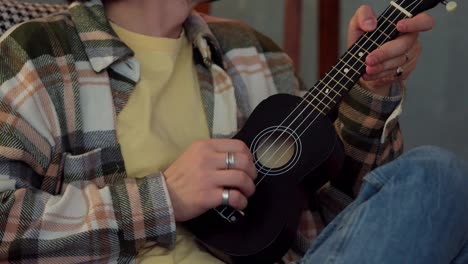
{"points": [[403, 52]]}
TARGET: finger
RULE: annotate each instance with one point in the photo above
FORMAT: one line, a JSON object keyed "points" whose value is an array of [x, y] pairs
{"points": [[421, 22], [242, 161], [384, 76], [414, 52], [230, 145], [378, 69], [390, 74], [219, 145], [235, 179], [364, 20], [392, 49], [236, 199], [214, 198]]}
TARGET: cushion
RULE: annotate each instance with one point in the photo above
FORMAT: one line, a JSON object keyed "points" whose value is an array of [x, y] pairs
{"points": [[13, 12]]}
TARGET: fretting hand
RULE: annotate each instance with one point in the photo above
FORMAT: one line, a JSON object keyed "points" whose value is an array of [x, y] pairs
{"points": [[396, 58]]}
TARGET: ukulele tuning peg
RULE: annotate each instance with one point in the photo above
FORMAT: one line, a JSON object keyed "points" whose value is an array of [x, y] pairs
{"points": [[450, 6]]}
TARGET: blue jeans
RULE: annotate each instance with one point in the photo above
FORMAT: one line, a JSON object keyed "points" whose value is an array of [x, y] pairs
{"points": [[412, 210]]}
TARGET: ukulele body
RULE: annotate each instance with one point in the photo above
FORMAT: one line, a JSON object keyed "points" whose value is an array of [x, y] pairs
{"points": [[269, 224]]}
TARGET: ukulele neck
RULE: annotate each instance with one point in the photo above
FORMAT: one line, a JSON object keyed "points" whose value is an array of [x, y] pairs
{"points": [[328, 91]]}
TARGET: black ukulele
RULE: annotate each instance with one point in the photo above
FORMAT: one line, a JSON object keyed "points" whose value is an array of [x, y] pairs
{"points": [[294, 145]]}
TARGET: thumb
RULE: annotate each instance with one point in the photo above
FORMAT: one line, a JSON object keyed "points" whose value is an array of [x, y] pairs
{"points": [[364, 20]]}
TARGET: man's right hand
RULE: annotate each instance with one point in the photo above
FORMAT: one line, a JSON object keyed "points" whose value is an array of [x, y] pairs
{"points": [[196, 180]]}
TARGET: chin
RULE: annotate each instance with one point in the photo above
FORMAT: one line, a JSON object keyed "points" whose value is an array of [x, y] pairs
{"points": [[204, 1]]}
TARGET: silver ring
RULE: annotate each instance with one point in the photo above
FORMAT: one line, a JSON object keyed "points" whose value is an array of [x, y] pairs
{"points": [[229, 160], [225, 200], [399, 71]]}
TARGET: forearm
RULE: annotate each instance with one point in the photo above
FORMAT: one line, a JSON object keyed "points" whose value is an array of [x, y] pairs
{"points": [[368, 126]]}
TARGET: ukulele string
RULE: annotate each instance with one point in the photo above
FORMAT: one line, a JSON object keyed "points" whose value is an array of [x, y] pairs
{"points": [[334, 97]]}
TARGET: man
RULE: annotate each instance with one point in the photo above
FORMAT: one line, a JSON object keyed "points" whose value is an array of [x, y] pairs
{"points": [[108, 117]]}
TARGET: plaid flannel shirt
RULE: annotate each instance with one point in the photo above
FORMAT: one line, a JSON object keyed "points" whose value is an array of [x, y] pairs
{"points": [[64, 194]]}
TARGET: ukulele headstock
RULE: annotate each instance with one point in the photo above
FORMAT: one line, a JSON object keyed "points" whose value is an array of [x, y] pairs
{"points": [[418, 6]]}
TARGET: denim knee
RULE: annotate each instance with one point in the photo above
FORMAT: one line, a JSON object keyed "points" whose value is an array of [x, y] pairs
{"points": [[432, 154], [436, 168], [425, 169]]}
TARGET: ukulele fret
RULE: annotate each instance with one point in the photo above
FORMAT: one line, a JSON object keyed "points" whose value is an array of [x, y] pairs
{"points": [[338, 83], [321, 101], [387, 20], [358, 59], [313, 106], [329, 88], [337, 70], [373, 44], [326, 94], [384, 34], [362, 48], [350, 67]]}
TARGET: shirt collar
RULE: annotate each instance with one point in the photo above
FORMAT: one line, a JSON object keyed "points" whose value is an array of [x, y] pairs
{"points": [[103, 47]]}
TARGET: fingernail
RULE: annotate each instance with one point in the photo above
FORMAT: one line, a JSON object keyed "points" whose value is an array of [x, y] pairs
{"points": [[369, 23]]}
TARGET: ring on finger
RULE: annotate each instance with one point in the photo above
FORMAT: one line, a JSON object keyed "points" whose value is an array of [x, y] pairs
{"points": [[225, 197], [399, 71], [229, 160]]}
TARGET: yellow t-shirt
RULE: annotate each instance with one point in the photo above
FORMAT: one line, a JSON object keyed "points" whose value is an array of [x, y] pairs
{"points": [[163, 116]]}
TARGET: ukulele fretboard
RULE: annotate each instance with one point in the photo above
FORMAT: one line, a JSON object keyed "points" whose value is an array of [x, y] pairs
{"points": [[329, 91]]}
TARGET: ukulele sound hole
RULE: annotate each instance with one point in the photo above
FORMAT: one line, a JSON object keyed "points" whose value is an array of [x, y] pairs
{"points": [[275, 150]]}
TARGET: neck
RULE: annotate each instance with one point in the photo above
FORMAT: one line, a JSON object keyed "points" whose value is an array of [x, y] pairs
{"points": [[160, 18]]}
